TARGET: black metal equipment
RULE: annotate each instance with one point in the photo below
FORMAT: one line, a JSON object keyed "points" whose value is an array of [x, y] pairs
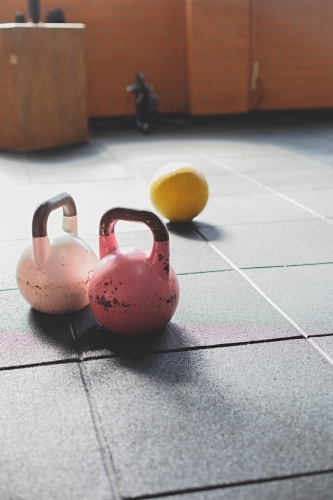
{"points": [[146, 103], [34, 11], [55, 16], [19, 17]]}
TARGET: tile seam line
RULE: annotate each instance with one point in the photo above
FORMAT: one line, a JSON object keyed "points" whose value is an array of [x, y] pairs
{"points": [[263, 186], [250, 482], [193, 348], [106, 456], [105, 452], [113, 156], [301, 156], [43, 363], [227, 224], [256, 287], [83, 359], [271, 302]]}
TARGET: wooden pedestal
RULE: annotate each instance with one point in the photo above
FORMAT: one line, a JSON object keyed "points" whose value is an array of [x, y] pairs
{"points": [[42, 86]]}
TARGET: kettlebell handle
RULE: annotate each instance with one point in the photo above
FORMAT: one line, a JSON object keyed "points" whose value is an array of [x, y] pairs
{"points": [[42, 212], [159, 256], [153, 221]]}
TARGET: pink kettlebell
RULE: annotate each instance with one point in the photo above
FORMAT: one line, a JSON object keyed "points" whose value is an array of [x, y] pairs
{"points": [[132, 292]]}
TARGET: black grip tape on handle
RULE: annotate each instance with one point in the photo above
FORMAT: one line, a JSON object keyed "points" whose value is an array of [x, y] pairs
{"points": [[153, 221], [42, 212]]}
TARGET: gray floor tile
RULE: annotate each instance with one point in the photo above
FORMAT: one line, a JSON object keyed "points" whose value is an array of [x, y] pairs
{"points": [[10, 252], [102, 169], [319, 200], [300, 141], [292, 180], [212, 417], [277, 162], [165, 151], [66, 155], [13, 168], [49, 447], [316, 487], [249, 209], [322, 156], [19, 203], [29, 337], [229, 184], [233, 147], [325, 343], [275, 244], [77, 163], [190, 254], [214, 308], [304, 293]]}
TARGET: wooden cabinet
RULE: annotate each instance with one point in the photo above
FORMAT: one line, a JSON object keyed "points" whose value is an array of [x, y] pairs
{"points": [[42, 86]]}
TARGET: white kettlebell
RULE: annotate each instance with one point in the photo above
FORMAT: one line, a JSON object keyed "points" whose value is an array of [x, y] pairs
{"points": [[53, 276]]}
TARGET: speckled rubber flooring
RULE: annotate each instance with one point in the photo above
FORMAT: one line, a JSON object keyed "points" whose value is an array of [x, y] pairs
{"points": [[234, 399]]}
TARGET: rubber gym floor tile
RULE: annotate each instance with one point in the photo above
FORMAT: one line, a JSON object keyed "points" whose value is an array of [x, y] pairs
{"points": [[319, 200], [225, 183], [10, 252], [69, 155], [301, 135], [290, 180], [275, 244], [322, 156], [313, 487], [49, 447], [301, 141], [79, 163], [326, 344], [166, 150], [30, 337], [236, 147], [278, 162], [13, 169], [100, 169], [249, 209], [304, 293], [214, 308], [206, 418]]}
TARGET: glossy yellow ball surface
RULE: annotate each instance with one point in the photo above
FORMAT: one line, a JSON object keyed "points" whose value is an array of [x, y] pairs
{"points": [[179, 191]]}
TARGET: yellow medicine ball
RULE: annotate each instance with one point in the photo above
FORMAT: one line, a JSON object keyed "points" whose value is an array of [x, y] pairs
{"points": [[179, 191]]}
